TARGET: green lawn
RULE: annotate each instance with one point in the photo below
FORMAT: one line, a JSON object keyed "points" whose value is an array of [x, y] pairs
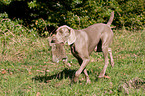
{"points": [[26, 68]]}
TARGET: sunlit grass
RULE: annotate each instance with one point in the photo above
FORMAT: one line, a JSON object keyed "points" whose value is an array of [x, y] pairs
{"points": [[26, 68]]}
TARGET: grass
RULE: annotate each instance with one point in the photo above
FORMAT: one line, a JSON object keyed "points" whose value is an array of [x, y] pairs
{"points": [[26, 68]]}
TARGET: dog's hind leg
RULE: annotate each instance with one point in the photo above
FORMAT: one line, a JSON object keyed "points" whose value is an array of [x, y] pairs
{"points": [[105, 52], [105, 44], [111, 56]]}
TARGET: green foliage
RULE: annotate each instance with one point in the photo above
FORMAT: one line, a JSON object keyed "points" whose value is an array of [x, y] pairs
{"points": [[80, 14], [45, 16], [11, 29], [129, 14], [133, 14]]}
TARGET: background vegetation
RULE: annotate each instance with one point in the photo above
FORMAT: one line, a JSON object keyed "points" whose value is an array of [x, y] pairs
{"points": [[44, 16], [25, 58]]}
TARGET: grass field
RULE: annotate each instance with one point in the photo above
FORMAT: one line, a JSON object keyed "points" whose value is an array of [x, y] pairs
{"points": [[26, 68]]}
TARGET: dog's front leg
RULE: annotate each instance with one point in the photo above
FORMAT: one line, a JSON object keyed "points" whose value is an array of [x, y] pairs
{"points": [[79, 71]]}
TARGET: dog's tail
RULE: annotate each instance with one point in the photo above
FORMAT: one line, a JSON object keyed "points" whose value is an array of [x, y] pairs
{"points": [[111, 18]]}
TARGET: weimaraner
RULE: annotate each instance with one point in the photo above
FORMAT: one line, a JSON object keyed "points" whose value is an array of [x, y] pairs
{"points": [[83, 42]]}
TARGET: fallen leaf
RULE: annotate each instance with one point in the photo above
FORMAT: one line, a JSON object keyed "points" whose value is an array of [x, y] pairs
{"points": [[4, 72], [30, 73], [41, 71], [38, 94], [28, 90], [107, 77], [10, 73], [29, 87], [110, 92], [45, 65], [92, 60], [47, 70]]}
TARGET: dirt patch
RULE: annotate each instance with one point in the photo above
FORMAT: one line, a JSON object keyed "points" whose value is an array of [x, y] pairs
{"points": [[134, 84]]}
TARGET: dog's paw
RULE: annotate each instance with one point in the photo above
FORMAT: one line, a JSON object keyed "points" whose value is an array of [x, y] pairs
{"points": [[88, 81], [104, 77], [75, 78], [112, 64], [101, 76]]}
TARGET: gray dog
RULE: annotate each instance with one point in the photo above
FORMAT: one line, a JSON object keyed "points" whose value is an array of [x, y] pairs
{"points": [[83, 42]]}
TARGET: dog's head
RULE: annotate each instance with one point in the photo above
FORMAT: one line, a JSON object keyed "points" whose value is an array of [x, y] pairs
{"points": [[65, 34]]}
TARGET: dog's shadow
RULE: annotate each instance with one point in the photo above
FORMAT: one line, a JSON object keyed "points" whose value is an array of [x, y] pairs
{"points": [[66, 73]]}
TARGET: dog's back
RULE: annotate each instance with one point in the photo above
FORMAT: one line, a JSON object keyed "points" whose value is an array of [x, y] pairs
{"points": [[95, 33]]}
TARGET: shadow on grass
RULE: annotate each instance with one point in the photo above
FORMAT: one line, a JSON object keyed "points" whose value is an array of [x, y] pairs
{"points": [[66, 73]]}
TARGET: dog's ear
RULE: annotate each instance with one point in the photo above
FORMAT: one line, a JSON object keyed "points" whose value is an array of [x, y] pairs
{"points": [[72, 37]]}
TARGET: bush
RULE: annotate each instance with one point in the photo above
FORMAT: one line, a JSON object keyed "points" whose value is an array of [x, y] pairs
{"points": [[129, 14], [10, 29], [45, 16]]}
